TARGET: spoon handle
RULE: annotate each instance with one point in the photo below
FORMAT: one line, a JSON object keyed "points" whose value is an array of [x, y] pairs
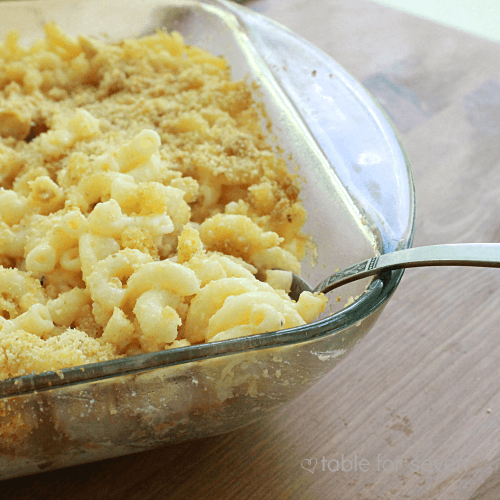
{"points": [[464, 254]]}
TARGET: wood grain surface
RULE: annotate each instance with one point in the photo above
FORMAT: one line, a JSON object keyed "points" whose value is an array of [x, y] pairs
{"points": [[419, 399]]}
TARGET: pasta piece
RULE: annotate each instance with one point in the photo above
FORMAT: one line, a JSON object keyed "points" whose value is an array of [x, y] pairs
{"points": [[36, 320], [105, 281], [208, 301], [158, 319]]}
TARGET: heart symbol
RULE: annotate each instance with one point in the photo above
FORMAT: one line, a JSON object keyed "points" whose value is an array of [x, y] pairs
{"points": [[309, 464]]}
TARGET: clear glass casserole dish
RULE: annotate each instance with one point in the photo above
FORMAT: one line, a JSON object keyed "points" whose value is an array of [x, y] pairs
{"points": [[359, 195]]}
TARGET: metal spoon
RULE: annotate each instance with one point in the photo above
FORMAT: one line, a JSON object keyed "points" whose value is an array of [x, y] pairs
{"points": [[465, 254]]}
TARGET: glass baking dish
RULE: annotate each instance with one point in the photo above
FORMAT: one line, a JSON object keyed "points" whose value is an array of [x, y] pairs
{"points": [[357, 189]]}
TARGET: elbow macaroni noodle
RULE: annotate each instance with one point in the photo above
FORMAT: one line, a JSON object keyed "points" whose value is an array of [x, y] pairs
{"points": [[141, 208]]}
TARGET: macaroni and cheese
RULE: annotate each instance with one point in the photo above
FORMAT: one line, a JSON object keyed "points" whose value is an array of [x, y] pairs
{"points": [[141, 207]]}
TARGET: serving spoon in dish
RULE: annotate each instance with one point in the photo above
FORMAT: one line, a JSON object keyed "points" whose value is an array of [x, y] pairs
{"points": [[464, 254]]}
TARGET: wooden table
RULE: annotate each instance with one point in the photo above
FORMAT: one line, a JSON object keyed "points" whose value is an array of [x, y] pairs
{"points": [[419, 399]]}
